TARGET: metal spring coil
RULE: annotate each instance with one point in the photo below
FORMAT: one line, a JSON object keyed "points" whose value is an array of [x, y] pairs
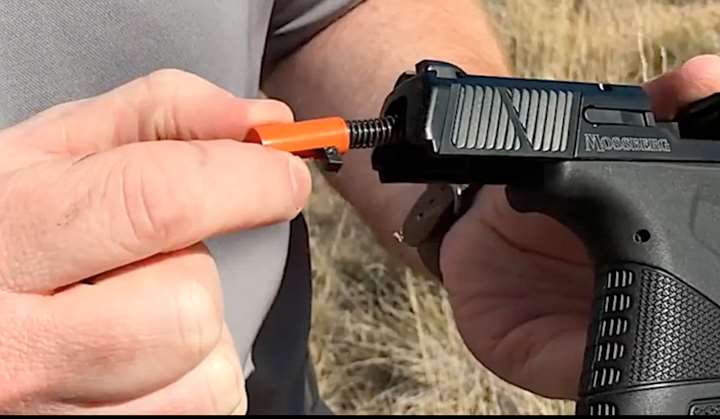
{"points": [[372, 132]]}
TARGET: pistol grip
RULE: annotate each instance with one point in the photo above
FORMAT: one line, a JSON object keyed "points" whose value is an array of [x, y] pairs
{"points": [[652, 348], [653, 230]]}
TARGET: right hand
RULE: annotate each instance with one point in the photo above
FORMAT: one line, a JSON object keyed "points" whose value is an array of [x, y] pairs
{"points": [[521, 285], [109, 303]]}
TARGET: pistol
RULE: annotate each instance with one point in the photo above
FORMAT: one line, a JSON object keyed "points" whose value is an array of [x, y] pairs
{"points": [[641, 193]]}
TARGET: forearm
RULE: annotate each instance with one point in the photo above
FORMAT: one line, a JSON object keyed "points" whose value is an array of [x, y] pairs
{"points": [[349, 68]]}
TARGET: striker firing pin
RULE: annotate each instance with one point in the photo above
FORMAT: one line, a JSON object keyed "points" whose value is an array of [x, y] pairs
{"points": [[642, 194]]}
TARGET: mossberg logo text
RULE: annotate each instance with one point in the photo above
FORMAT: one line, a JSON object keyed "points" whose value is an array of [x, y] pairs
{"points": [[602, 143]]}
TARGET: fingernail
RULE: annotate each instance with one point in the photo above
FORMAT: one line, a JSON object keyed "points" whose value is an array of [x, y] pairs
{"points": [[300, 181]]}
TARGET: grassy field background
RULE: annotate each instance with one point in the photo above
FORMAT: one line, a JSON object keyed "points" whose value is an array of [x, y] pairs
{"points": [[383, 339]]}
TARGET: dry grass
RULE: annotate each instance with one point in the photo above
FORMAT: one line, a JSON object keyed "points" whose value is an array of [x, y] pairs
{"points": [[384, 340]]}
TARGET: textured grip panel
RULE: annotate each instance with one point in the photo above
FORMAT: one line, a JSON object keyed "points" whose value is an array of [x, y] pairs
{"points": [[711, 408], [678, 333], [651, 333], [498, 118]]}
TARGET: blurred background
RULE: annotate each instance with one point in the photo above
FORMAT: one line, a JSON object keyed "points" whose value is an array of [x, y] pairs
{"points": [[383, 339]]}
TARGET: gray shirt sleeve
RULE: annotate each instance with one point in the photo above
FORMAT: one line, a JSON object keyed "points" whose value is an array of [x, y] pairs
{"points": [[295, 22]]}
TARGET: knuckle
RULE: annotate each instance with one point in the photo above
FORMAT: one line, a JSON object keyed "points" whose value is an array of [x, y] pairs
{"points": [[702, 71], [704, 59], [162, 78], [165, 83], [199, 319], [164, 87], [152, 206], [161, 86]]}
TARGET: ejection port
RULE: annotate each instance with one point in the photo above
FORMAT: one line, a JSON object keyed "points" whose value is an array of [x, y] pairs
{"points": [[599, 116]]}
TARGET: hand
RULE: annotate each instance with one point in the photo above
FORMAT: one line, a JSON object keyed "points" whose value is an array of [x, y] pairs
{"points": [[521, 284], [109, 304]]}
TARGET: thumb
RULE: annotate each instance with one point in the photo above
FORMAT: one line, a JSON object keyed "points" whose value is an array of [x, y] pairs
{"points": [[697, 78]]}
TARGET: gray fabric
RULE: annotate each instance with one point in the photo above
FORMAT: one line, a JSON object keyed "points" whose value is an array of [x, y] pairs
{"points": [[54, 51], [251, 264]]}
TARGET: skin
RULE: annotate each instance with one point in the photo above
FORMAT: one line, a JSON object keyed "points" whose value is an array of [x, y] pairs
{"points": [[520, 284], [109, 304]]}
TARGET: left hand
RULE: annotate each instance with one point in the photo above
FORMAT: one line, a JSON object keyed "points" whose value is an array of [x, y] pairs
{"points": [[109, 301], [521, 284]]}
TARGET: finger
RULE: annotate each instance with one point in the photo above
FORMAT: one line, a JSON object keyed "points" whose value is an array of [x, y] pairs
{"points": [[215, 386], [167, 104], [67, 220], [696, 79], [139, 329]]}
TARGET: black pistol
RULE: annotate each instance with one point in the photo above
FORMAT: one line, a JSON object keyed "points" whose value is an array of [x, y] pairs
{"points": [[642, 194]]}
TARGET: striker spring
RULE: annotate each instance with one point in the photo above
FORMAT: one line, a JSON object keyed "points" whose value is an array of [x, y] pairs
{"points": [[372, 132]]}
